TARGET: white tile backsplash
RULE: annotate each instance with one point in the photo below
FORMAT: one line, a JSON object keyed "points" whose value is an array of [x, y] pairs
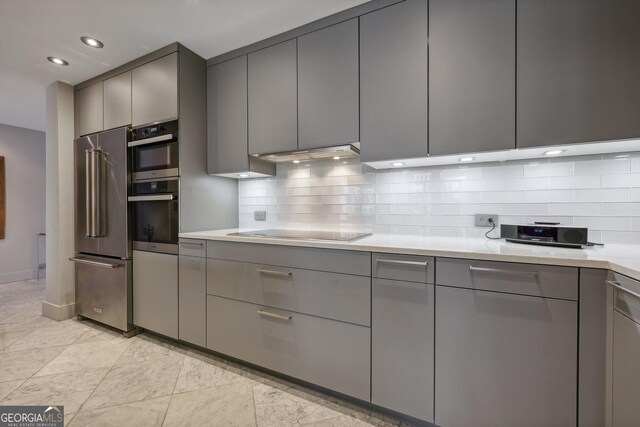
{"points": [[599, 192]]}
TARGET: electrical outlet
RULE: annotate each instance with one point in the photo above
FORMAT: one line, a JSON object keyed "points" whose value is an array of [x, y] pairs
{"points": [[482, 220], [260, 215]]}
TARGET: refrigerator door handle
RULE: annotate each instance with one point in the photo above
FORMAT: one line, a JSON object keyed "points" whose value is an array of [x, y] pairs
{"points": [[94, 263], [95, 189]]}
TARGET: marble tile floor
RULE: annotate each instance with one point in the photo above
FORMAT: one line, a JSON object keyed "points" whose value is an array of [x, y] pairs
{"points": [[104, 379]]}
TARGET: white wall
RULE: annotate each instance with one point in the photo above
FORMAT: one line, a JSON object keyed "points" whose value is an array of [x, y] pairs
{"points": [[24, 152], [598, 192]]}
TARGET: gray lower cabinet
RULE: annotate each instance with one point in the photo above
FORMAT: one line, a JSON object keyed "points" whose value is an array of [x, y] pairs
{"points": [[192, 303], [273, 99], [472, 72], [154, 91], [402, 352], [504, 359], [88, 110], [328, 101], [393, 82], [578, 71], [625, 381], [155, 292], [331, 354], [117, 101]]}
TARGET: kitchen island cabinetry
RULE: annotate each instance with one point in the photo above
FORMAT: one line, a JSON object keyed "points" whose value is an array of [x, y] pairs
{"points": [[192, 291]]}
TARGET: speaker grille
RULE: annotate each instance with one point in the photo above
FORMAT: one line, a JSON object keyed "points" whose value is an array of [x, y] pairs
{"points": [[573, 236]]}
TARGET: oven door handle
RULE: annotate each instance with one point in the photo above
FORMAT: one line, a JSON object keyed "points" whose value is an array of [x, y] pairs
{"points": [[160, 138], [153, 198]]}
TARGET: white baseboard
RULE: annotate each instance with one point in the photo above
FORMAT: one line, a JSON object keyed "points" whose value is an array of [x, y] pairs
{"points": [[17, 276], [58, 312]]}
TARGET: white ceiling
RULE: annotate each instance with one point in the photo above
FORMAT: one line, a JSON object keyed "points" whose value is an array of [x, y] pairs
{"points": [[31, 30]]}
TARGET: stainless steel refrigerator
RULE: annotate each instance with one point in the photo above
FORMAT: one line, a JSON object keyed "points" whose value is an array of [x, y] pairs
{"points": [[102, 241]]}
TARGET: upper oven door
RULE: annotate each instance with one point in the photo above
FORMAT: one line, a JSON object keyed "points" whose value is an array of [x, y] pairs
{"points": [[154, 151]]}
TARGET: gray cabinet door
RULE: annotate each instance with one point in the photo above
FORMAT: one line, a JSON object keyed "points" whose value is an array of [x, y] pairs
{"points": [[578, 71], [402, 333], [393, 82], [155, 292], [227, 116], [117, 101], [504, 360], [273, 100], [472, 72], [328, 102], [192, 297], [626, 371], [154, 91], [88, 108]]}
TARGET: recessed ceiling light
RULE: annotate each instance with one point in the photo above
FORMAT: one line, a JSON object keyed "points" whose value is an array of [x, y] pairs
{"points": [[57, 61], [243, 175], [90, 41], [466, 159], [397, 164], [295, 162], [336, 157], [553, 152]]}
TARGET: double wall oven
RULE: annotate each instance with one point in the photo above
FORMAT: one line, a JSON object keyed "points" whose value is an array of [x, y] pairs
{"points": [[154, 187]]}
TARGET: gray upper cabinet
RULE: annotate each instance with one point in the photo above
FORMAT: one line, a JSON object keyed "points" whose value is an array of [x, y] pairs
{"points": [[328, 103], [227, 116], [393, 82], [117, 101], [578, 71], [472, 76], [154, 91], [88, 107], [273, 115]]}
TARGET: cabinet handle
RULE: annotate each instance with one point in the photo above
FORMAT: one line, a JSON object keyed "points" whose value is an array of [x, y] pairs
{"points": [[153, 198], [618, 286], [401, 262], [263, 313], [94, 263], [191, 243], [150, 140], [503, 271], [275, 273]]}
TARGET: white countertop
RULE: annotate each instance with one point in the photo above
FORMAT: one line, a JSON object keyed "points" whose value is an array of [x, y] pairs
{"points": [[624, 259]]}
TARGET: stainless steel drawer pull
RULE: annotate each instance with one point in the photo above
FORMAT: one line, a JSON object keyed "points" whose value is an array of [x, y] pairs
{"points": [[191, 243], [401, 262], [95, 263], [261, 312], [503, 271], [154, 198], [618, 286], [275, 273], [150, 140]]}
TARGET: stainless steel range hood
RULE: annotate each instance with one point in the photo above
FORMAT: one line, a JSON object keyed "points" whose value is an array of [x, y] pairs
{"points": [[346, 151]]}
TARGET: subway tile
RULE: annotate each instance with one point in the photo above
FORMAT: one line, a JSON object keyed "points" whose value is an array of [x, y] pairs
{"points": [[561, 220], [574, 209], [543, 169], [474, 208], [299, 173], [621, 209], [603, 166], [635, 194], [603, 195], [549, 196], [502, 197], [594, 236], [524, 209], [622, 237], [635, 223], [458, 220], [537, 183], [481, 185], [621, 180], [635, 163], [503, 172], [461, 173], [603, 223], [573, 182]]}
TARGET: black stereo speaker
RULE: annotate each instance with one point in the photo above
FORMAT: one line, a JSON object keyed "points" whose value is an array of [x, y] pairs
{"points": [[551, 235]]}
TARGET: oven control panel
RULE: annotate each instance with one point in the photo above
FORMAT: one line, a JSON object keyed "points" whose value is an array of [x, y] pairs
{"points": [[151, 131]]}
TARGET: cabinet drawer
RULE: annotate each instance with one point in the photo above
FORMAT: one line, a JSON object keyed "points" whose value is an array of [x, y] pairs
{"points": [[192, 247], [409, 268], [626, 302], [338, 261], [525, 279], [325, 352], [336, 296]]}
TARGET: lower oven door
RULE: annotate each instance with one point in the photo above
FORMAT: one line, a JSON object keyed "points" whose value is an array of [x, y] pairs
{"points": [[155, 223], [103, 290]]}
